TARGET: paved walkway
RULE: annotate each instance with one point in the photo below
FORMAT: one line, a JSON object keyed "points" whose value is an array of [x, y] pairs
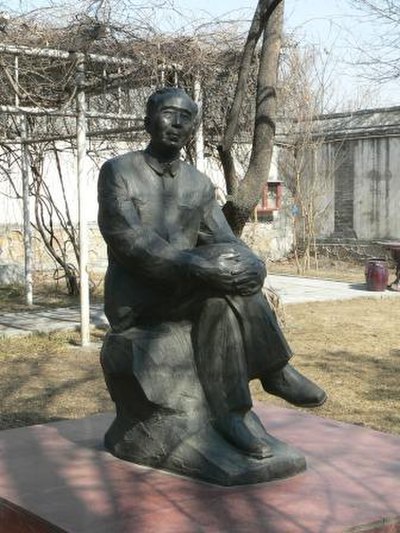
{"points": [[290, 289], [47, 320], [294, 290]]}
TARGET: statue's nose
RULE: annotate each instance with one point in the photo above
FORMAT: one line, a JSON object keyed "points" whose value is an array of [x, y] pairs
{"points": [[177, 119]]}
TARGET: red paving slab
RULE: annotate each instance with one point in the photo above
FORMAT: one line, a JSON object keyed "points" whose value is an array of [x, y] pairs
{"points": [[15, 519], [60, 472]]}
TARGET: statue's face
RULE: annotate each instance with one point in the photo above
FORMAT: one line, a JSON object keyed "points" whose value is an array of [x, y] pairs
{"points": [[171, 123]]}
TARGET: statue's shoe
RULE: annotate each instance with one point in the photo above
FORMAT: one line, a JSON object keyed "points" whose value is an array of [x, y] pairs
{"points": [[235, 429], [289, 384]]}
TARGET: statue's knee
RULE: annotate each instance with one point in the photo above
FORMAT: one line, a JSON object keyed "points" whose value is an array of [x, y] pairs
{"points": [[216, 305]]}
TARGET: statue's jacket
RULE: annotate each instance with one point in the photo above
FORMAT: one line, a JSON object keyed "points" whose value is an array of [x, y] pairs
{"points": [[151, 217], [155, 218]]}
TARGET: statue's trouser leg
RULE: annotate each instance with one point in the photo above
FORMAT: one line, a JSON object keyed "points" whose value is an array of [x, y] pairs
{"points": [[266, 348], [236, 339], [220, 361]]}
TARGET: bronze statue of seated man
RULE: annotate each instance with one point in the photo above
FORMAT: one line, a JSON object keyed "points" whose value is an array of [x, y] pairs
{"points": [[173, 259]]}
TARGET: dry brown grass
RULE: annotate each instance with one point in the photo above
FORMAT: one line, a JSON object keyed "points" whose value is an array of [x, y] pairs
{"points": [[49, 377], [351, 348], [328, 268], [46, 293]]}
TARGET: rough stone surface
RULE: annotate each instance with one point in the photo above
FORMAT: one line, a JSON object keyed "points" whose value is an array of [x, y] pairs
{"points": [[11, 274], [163, 419]]}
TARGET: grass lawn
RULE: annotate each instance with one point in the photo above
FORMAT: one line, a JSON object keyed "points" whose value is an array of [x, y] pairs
{"points": [[351, 348]]}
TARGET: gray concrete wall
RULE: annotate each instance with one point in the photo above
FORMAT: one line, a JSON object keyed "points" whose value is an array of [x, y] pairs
{"points": [[377, 188], [365, 176], [326, 168]]}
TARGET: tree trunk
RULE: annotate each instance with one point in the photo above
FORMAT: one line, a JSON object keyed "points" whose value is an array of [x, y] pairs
{"points": [[244, 195]]}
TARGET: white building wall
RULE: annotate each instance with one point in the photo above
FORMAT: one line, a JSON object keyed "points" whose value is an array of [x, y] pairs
{"points": [[11, 207], [273, 240]]}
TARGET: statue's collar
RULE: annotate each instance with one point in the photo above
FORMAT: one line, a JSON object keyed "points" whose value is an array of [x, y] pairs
{"points": [[171, 168]]}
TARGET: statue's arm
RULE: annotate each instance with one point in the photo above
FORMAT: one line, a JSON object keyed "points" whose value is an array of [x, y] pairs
{"points": [[236, 268], [135, 246], [214, 227]]}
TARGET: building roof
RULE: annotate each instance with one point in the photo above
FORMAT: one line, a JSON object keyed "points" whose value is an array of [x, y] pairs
{"points": [[384, 121], [351, 125]]}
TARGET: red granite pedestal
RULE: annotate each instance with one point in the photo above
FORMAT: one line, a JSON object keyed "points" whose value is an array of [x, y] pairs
{"points": [[61, 473]]}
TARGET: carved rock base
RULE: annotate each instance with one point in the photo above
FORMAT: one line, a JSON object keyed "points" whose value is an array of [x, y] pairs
{"points": [[163, 420]]}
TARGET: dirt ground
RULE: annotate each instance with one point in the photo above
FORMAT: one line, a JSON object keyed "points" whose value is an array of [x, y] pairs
{"points": [[328, 268], [46, 293], [351, 348]]}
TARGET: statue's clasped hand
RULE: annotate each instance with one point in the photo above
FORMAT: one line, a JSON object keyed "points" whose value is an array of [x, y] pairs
{"points": [[231, 269], [239, 274]]}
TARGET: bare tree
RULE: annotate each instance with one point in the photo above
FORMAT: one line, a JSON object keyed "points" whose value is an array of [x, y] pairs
{"points": [[303, 163], [243, 195], [380, 56], [52, 221], [97, 25]]}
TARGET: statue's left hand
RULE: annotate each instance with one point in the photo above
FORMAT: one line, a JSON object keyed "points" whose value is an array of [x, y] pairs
{"points": [[248, 276], [231, 268]]}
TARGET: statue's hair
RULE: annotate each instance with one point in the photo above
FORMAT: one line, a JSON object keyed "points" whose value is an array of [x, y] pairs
{"points": [[154, 99]]}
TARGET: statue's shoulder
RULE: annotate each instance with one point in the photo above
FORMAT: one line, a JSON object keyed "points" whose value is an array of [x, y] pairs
{"points": [[124, 160], [122, 167]]}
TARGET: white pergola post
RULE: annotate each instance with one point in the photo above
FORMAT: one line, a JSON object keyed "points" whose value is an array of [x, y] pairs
{"points": [[28, 254], [81, 114], [82, 190], [199, 135]]}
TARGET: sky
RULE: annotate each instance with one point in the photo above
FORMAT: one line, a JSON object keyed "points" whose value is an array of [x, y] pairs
{"points": [[333, 26], [336, 28]]}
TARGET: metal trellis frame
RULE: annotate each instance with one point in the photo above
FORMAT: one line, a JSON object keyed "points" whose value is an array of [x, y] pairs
{"points": [[82, 115]]}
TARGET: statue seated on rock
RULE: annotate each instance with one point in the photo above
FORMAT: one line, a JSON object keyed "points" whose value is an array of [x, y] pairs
{"points": [[189, 324]]}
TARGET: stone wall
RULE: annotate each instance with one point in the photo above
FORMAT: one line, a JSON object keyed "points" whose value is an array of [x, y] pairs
{"points": [[12, 250], [352, 249], [270, 240]]}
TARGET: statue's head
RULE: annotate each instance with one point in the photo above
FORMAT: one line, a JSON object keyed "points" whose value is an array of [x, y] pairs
{"points": [[170, 119]]}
